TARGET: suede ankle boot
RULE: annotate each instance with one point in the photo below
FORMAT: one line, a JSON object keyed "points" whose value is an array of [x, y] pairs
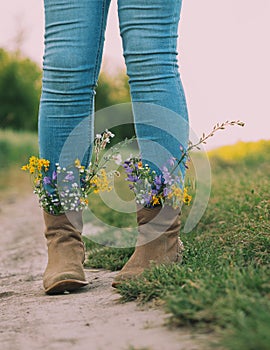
{"points": [[66, 253], [158, 241]]}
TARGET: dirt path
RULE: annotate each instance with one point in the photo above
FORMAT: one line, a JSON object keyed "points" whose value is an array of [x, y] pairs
{"points": [[92, 319]]}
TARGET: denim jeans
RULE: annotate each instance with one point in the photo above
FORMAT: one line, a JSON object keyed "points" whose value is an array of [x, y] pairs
{"points": [[74, 38]]}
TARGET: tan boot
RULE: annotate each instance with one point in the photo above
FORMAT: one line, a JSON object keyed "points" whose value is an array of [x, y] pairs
{"points": [[66, 253], [158, 241]]}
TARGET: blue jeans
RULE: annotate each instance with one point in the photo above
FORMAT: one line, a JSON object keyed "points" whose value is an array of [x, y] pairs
{"points": [[74, 38]]}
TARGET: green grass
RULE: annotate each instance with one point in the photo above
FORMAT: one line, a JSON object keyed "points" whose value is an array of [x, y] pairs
{"points": [[223, 284], [15, 149], [120, 231]]}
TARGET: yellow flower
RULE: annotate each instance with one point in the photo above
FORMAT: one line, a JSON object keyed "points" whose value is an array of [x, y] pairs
{"points": [[140, 165], [36, 164], [33, 160], [37, 180], [84, 200], [155, 200], [176, 192], [79, 166], [100, 182], [170, 195], [44, 163], [25, 167], [31, 170], [77, 163], [186, 198]]}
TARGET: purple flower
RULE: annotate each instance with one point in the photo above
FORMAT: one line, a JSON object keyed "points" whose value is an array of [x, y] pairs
{"points": [[166, 191], [165, 169], [167, 176], [147, 198], [158, 181], [154, 192], [177, 179], [46, 180], [171, 161], [132, 178], [128, 167], [69, 177], [128, 170], [54, 175]]}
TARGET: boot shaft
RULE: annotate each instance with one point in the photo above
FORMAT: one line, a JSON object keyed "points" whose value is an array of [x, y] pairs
{"points": [[157, 222], [66, 252], [69, 224]]}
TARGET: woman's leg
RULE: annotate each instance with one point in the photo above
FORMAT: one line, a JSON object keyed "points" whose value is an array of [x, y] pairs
{"points": [[74, 37], [149, 31], [149, 34]]}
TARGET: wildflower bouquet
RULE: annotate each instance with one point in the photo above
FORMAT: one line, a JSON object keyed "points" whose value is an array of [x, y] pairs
{"points": [[68, 188], [152, 189]]}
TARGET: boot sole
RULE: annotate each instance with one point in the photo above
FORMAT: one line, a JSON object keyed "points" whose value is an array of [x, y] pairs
{"points": [[65, 286], [178, 259], [115, 284]]}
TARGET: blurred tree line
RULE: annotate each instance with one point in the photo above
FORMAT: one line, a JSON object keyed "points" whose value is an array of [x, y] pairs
{"points": [[20, 88], [20, 84]]}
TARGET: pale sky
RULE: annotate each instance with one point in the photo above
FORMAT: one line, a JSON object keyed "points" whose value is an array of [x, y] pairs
{"points": [[224, 57]]}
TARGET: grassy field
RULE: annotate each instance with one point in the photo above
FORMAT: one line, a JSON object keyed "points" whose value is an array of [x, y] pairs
{"points": [[223, 284], [15, 149]]}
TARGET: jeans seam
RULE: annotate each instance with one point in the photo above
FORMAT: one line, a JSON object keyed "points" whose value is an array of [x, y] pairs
{"points": [[98, 59], [101, 33], [177, 70]]}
